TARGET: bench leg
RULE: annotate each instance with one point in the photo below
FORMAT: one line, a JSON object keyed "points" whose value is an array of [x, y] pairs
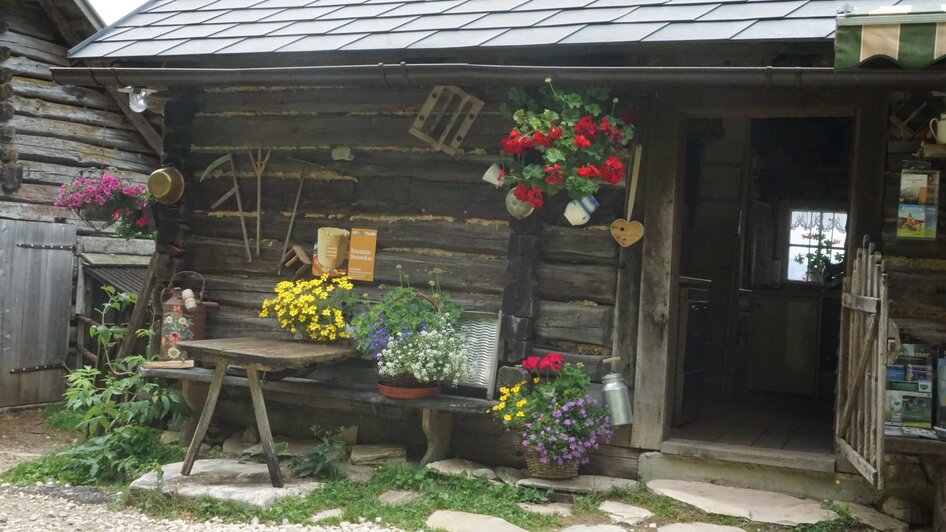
{"points": [[438, 426], [262, 423], [220, 371]]}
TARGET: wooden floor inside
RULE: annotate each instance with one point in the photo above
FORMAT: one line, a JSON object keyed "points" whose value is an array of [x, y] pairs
{"points": [[765, 421]]}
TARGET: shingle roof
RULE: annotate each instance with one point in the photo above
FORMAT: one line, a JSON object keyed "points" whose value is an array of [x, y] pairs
{"points": [[168, 28]]}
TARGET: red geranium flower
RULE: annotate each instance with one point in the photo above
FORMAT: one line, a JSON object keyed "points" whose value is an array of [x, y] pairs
{"points": [[521, 192], [586, 127], [530, 363], [581, 142], [614, 133], [555, 133], [628, 116], [552, 361], [511, 143], [588, 171], [535, 198], [553, 174], [541, 140], [612, 170], [142, 220]]}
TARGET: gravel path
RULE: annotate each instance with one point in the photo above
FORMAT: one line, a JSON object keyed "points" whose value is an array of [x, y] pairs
{"points": [[55, 508]]}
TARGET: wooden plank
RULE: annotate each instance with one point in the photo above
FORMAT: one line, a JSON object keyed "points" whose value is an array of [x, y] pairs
{"points": [[663, 174], [856, 460], [262, 425], [861, 303], [867, 165], [142, 304], [269, 354], [216, 384], [310, 388], [864, 360], [750, 455]]}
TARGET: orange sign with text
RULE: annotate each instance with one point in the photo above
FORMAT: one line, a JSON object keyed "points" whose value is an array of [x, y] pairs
{"points": [[361, 254]]}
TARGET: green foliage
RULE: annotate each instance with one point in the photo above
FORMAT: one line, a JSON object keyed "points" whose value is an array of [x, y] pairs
{"points": [[845, 520], [256, 453], [120, 399], [322, 461], [57, 417], [403, 309], [588, 503], [117, 457]]}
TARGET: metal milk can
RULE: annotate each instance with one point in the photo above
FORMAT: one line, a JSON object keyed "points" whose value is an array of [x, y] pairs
{"points": [[184, 317], [616, 396]]}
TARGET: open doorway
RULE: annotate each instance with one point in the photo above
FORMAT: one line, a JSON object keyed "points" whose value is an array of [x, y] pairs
{"points": [[765, 231]]}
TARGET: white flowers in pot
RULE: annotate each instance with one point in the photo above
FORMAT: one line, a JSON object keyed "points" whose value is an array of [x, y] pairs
{"points": [[433, 355]]}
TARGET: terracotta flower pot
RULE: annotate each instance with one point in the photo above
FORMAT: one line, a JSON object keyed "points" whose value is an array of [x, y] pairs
{"points": [[406, 387]]}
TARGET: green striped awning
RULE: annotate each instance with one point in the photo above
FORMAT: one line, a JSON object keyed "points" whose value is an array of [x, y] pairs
{"points": [[912, 36]]}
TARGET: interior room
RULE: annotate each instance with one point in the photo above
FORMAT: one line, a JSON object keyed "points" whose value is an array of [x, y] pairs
{"points": [[767, 202]]}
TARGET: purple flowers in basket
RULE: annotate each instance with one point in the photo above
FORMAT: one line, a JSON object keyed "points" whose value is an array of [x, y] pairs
{"points": [[569, 432]]}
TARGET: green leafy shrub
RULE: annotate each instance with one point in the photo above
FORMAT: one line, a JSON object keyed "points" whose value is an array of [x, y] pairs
{"points": [[323, 460], [121, 398], [117, 457]]}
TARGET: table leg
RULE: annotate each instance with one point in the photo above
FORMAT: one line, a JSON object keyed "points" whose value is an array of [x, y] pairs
{"points": [[438, 426], [220, 371], [262, 423]]}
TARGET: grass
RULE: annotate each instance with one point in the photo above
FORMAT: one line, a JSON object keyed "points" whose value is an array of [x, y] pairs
{"points": [[58, 418], [360, 500]]}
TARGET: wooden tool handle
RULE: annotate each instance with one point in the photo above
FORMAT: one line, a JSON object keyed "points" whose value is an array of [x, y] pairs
{"points": [[635, 173]]}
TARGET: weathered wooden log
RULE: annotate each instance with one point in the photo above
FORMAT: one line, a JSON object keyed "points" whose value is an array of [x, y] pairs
{"points": [[589, 324], [118, 139], [574, 282], [38, 108], [579, 245], [25, 67], [31, 25], [52, 173], [37, 49], [69, 152], [49, 91]]}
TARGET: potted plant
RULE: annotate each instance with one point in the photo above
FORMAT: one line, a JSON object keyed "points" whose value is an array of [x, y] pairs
{"points": [[317, 309], [558, 421], [101, 199], [564, 141], [819, 257], [414, 364]]}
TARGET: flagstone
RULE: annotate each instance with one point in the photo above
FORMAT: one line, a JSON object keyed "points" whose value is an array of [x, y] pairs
{"points": [[579, 484], [698, 527], [594, 528], [624, 513], [453, 521], [755, 505], [377, 454], [397, 497], [560, 508], [876, 520]]}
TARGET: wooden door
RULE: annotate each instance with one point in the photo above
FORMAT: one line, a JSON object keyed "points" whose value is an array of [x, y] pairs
{"points": [[36, 262], [859, 432]]}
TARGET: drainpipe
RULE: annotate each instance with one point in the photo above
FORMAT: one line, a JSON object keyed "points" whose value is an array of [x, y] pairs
{"points": [[427, 74]]}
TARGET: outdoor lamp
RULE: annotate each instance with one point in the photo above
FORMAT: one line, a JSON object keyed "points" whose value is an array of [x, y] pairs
{"points": [[137, 97]]}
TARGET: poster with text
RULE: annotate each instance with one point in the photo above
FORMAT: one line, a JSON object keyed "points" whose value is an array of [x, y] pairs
{"points": [[918, 208], [361, 254]]}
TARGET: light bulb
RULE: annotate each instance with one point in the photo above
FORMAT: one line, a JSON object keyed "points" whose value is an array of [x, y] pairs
{"points": [[138, 100]]}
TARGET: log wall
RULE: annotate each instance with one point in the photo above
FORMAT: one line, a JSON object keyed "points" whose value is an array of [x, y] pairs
{"points": [[432, 212], [52, 131], [916, 268]]}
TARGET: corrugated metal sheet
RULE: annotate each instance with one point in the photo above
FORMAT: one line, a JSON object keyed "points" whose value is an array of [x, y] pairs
{"points": [[199, 27], [125, 278]]}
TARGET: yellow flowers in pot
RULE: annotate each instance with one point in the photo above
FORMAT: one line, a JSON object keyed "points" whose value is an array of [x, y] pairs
{"points": [[317, 309]]}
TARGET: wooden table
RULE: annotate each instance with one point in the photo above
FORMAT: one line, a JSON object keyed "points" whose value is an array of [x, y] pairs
{"points": [[255, 355]]}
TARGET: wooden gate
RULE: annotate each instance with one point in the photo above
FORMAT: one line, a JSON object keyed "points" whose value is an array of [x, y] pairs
{"points": [[36, 261], [861, 394]]}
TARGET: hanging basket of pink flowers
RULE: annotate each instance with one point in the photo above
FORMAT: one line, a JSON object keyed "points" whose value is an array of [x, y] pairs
{"points": [[564, 141], [101, 198]]}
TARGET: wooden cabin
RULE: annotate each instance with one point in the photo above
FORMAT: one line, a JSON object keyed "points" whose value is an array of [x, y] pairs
{"points": [[747, 133], [50, 132]]}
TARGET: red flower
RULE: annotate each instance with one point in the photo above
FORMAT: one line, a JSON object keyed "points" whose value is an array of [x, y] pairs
{"points": [[553, 174], [541, 140], [174, 337], [142, 220], [586, 127], [612, 170], [588, 171], [521, 192], [581, 142], [511, 143], [501, 174], [526, 142], [535, 198], [613, 133], [555, 133], [552, 361], [530, 363]]}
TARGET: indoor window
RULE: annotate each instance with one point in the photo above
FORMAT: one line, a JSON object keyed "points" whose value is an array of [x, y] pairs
{"points": [[816, 238]]}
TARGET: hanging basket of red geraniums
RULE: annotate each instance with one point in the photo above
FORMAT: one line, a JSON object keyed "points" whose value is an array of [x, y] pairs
{"points": [[101, 198], [564, 141]]}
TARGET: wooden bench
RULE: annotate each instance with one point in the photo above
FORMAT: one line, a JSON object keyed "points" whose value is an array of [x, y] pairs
{"points": [[436, 413]]}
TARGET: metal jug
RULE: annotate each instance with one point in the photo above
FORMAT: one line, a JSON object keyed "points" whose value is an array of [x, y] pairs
{"points": [[617, 397], [179, 323]]}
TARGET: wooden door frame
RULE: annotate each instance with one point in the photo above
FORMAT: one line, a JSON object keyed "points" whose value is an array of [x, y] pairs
{"points": [[663, 168]]}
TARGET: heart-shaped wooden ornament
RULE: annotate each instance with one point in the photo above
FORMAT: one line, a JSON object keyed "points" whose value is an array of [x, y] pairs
{"points": [[625, 232]]}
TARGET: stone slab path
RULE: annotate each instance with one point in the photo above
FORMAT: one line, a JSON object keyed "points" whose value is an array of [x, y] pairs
{"points": [[453, 521], [755, 505], [579, 484], [698, 527], [227, 480], [624, 513]]}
